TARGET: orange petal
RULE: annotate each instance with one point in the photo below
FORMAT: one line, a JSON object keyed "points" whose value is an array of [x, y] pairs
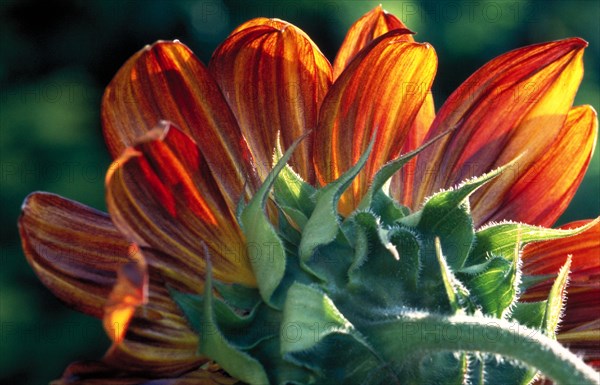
{"points": [[548, 256], [166, 81], [162, 194], [382, 89], [74, 249], [366, 29], [159, 341], [543, 191], [274, 78], [581, 321], [514, 105], [369, 27], [129, 292]]}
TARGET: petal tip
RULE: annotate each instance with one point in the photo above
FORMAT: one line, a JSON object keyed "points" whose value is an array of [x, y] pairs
{"points": [[575, 43]]}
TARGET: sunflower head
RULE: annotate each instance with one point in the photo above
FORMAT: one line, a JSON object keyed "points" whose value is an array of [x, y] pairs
{"points": [[386, 244], [382, 295]]}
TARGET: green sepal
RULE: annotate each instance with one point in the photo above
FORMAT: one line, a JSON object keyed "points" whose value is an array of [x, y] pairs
{"points": [[382, 176], [313, 334], [200, 313], [406, 242], [385, 173], [265, 250], [294, 216], [495, 288], [240, 331], [440, 368], [528, 281], [280, 371], [340, 359], [237, 363], [375, 275], [323, 225], [290, 190], [450, 282], [312, 315], [388, 210], [500, 239], [447, 215], [556, 300], [238, 296], [530, 314]]}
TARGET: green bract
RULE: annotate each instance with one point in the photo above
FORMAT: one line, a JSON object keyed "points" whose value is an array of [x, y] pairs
{"points": [[381, 296]]}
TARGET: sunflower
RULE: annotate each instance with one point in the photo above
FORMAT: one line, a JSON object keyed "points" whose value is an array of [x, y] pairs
{"points": [[192, 143]]}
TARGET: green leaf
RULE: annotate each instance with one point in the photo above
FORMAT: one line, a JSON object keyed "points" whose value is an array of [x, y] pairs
{"points": [[265, 250], [290, 190], [323, 225], [500, 239]]}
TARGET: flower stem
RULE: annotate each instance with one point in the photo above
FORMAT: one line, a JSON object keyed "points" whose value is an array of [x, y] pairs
{"points": [[403, 336]]}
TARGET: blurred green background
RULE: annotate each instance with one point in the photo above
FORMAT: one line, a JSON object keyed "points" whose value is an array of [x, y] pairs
{"points": [[56, 58]]}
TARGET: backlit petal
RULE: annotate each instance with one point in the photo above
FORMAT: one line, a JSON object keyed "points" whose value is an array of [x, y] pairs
{"points": [[514, 105], [366, 29], [74, 249], [369, 27], [274, 78], [162, 194], [159, 341], [543, 191], [166, 81], [580, 326], [130, 292], [382, 90]]}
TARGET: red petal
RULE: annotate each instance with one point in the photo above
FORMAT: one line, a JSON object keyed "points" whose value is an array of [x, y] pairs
{"points": [[369, 27], [166, 81], [74, 249], [580, 326], [382, 89], [162, 194], [159, 341], [543, 191], [514, 105], [274, 78], [366, 29]]}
